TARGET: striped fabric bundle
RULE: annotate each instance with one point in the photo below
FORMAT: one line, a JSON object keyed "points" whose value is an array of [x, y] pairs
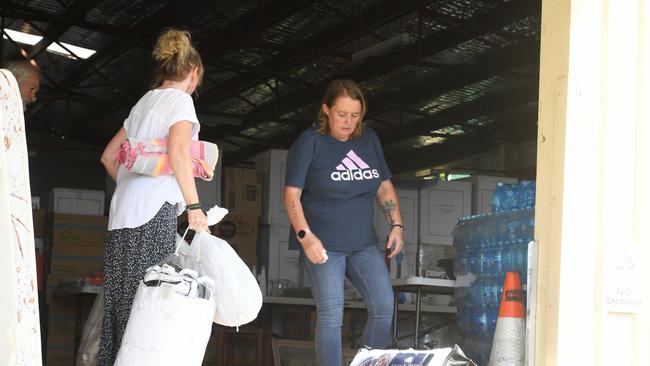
{"points": [[149, 157]]}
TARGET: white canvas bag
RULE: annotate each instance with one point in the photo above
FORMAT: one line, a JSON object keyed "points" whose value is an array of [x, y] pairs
{"points": [[170, 321]]}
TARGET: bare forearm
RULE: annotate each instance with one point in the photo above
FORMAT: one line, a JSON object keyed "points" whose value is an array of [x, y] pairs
{"points": [[108, 156], [389, 204], [181, 163], [294, 209], [111, 169]]}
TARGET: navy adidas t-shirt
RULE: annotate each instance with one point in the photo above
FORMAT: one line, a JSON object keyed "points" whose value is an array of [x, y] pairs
{"points": [[339, 182]]}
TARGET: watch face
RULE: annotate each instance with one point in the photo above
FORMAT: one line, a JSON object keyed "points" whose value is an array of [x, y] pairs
{"points": [[301, 234]]}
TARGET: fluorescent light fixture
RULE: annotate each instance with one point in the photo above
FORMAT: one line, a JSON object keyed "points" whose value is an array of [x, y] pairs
{"points": [[31, 39], [382, 46], [457, 176], [80, 52], [20, 37], [423, 172]]}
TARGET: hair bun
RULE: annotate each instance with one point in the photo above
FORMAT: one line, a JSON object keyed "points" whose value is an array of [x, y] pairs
{"points": [[171, 43]]}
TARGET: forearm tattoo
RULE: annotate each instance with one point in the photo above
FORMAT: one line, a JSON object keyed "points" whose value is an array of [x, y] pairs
{"points": [[389, 208]]}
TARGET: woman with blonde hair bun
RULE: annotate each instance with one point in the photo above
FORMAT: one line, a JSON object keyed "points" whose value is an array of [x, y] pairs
{"points": [[142, 218]]}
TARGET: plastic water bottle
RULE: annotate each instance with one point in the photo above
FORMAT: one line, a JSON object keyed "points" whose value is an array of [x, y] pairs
{"points": [[497, 198], [477, 292], [508, 260], [509, 200], [460, 264], [513, 227], [480, 321], [465, 319], [491, 261], [475, 261], [521, 258], [526, 193], [492, 315]]}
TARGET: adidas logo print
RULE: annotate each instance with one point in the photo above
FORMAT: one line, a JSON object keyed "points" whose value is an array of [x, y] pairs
{"points": [[352, 168]]}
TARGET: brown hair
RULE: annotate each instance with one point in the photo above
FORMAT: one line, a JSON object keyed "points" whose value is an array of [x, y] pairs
{"points": [[335, 90], [176, 57]]}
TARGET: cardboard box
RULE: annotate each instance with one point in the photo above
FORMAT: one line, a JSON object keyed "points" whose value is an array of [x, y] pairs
{"points": [[39, 217], [240, 231], [242, 191], [76, 265], [79, 230], [62, 321], [483, 187], [59, 357], [77, 201], [60, 352], [273, 165], [441, 205], [408, 201]]}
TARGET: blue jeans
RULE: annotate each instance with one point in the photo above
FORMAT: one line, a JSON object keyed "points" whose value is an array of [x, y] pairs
{"points": [[367, 271]]}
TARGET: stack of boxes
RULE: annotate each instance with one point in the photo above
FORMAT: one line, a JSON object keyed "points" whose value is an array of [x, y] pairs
{"points": [[242, 196], [76, 238]]}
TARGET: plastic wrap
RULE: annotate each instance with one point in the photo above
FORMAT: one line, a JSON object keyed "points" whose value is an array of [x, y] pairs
{"points": [[89, 345], [452, 356]]}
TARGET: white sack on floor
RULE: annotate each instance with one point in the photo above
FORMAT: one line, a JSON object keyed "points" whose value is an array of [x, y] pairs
{"points": [[452, 356], [89, 345], [170, 321], [237, 294]]}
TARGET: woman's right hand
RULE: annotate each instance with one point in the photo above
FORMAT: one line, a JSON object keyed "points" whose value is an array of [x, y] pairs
{"points": [[197, 220], [314, 249]]}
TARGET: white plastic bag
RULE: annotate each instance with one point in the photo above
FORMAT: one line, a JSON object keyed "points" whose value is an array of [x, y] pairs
{"points": [[237, 294], [170, 321], [89, 346], [452, 356]]}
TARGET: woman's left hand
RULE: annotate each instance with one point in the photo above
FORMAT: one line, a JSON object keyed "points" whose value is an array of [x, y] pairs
{"points": [[395, 242]]}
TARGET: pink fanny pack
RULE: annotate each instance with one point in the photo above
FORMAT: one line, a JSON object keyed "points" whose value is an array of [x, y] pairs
{"points": [[149, 157]]}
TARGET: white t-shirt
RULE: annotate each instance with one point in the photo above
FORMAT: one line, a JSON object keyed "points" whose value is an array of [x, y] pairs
{"points": [[138, 197]]}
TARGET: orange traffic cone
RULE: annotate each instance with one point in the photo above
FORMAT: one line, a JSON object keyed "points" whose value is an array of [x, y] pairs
{"points": [[509, 342]]}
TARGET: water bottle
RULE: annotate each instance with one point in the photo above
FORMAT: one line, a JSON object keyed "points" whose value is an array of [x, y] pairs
{"points": [[509, 200], [477, 292], [460, 264], [475, 261], [480, 321], [521, 258], [465, 319], [492, 315], [526, 193], [492, 230], [508, 261], [497, 198], [512, 227]]}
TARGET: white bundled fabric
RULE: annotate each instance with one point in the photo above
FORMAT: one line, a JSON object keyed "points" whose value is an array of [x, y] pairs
{"points": [[237, 294], [452, 356], [170, 321]]}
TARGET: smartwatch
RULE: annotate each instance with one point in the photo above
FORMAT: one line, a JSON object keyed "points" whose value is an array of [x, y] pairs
{"points": [[302, 233]]}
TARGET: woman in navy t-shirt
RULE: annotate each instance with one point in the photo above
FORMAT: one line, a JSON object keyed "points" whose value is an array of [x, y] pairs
{"points": [[334, 172]]}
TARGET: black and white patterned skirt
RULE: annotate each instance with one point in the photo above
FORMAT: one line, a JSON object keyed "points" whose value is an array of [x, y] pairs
{"points": [[129, 252]]}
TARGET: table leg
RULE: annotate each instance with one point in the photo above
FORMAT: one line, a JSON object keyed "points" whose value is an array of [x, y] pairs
{"points": [[395, 311], [418, 303]]}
